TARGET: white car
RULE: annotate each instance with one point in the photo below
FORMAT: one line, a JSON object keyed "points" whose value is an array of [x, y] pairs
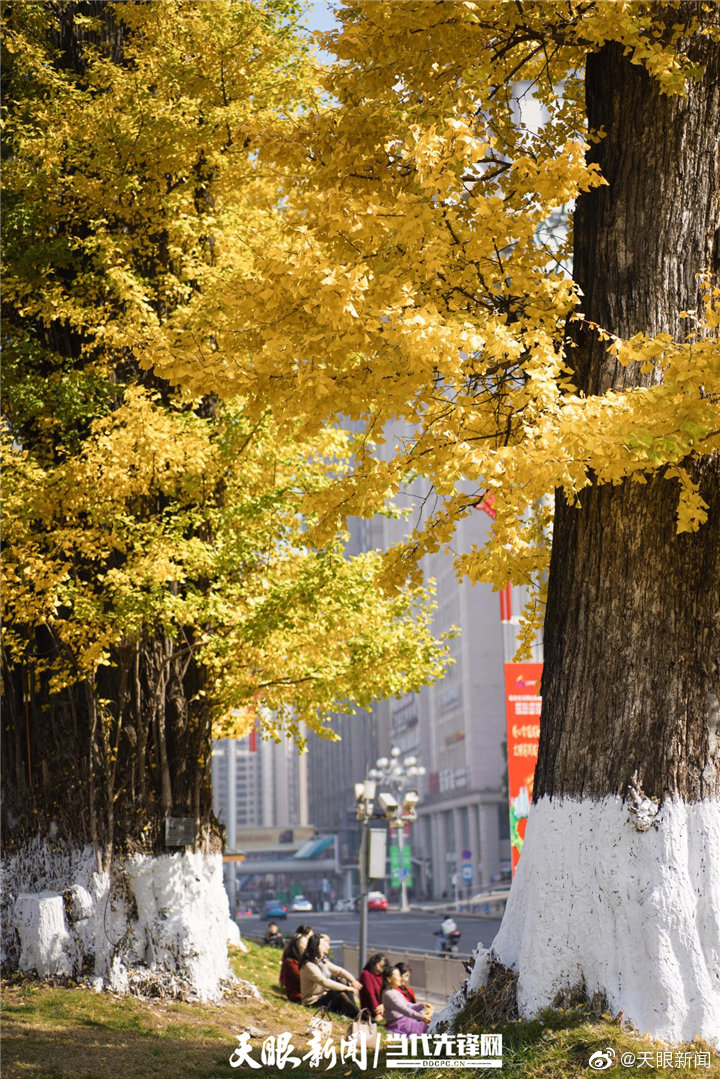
{"points": [[300, 903], [345, 904]]}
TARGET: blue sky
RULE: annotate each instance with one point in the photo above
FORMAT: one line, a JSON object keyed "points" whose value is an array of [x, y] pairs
{"points": [[319, 16]]}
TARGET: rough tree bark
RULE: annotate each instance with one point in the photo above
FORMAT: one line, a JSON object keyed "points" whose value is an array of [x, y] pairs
{"points": [[90, 886], [618, 887], [632, 608]]}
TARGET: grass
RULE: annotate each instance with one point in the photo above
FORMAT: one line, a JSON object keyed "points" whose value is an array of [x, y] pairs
{"points": [[559, 1044], [70, 1032]]}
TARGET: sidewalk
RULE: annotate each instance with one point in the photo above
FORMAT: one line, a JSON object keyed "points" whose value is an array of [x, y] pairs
{"points": [[444, 909]]}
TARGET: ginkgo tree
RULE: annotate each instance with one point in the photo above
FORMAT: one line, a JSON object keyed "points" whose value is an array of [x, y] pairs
{"points": [[170, 552], [162, 584], [417, 279]]}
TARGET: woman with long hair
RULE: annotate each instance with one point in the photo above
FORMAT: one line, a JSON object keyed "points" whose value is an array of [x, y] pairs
{"points": [[371, 985], [323, 984], [290, 963], [405, 972], [405, 988]]}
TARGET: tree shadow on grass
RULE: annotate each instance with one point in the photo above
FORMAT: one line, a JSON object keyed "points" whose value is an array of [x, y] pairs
{"points": [[94, 1051]]}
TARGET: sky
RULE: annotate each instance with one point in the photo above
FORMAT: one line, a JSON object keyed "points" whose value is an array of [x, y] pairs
{"points": [[320, 16]]}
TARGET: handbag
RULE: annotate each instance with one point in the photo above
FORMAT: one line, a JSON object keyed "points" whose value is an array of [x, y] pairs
{"points": [[364, 1026], [320, 1024]]}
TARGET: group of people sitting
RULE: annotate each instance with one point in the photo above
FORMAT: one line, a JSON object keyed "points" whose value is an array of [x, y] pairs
{"points": [[386, 994], [310, 978]]}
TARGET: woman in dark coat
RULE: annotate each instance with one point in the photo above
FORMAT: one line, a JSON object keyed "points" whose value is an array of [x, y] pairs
{"points": [[371, 985]]}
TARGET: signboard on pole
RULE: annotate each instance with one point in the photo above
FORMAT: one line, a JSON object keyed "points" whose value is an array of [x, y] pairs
{"points": [[522, 705], [398, 872], [377, 853], [467, 873]]}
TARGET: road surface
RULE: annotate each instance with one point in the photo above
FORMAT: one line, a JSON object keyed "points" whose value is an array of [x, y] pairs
{"points": [[386, 929]]}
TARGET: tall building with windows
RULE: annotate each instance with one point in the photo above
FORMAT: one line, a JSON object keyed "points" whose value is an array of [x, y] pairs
{"points": [[456, 728], [463, 815], [257, 785]]}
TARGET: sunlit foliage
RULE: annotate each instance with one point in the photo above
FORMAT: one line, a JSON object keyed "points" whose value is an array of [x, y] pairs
{"points": [[421, 273]]}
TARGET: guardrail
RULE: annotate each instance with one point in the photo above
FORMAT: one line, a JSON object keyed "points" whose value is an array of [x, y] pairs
{"points": [[491, 904], [435, 976]]}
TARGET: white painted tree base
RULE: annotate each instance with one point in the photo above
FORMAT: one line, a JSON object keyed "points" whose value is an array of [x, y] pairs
{"points": [[160, 925], [619, 901]]}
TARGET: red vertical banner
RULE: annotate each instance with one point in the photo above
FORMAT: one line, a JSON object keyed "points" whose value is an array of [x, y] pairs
{"points": [[522, 708]]}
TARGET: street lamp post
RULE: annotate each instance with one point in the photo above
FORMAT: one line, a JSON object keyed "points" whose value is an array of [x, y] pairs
{"points": [[399, 775], [364, 797]]}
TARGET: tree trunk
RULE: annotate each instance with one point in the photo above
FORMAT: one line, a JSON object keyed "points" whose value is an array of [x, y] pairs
{"points": [[618, 887], [90, 886]]}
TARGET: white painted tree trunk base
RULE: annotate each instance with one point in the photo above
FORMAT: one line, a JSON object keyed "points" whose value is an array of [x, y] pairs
{"points": [[619, 902], [160, 926]]}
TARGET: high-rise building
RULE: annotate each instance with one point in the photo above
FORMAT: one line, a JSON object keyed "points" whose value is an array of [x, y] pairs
{"points": [[455, 728], [463, 816], [257, 785]]}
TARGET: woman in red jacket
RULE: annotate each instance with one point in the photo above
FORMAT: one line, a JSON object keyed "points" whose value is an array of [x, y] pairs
{"points": [[290, 964], [371, 983]]}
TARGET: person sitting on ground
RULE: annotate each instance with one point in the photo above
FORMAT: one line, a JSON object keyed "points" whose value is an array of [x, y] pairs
{"points": [[304, 931], [371, 985], [322, 983], [273, 937], [407, 992], [290, 963], [401, 1015]]}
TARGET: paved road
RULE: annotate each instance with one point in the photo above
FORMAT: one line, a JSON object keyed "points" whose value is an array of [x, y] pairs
{"points": [[414, 931]]}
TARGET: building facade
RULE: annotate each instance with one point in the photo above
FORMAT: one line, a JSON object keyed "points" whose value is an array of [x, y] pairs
{"points": [[258, 786], [455, 728]]}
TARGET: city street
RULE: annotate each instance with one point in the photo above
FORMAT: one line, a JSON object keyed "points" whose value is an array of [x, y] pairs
{"points": [[414, 931]]}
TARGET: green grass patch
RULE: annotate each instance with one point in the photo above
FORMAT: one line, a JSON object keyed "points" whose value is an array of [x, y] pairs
{"points": [[560, 1042], [52, 1032]]}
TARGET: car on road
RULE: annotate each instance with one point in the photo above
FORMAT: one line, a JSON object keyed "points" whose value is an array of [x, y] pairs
{"points": [[274, 909], [300, 903], [377, 901], [346, 904]]}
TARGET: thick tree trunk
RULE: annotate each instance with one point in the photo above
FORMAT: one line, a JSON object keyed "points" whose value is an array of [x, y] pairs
{"points": [[618, 887], [632, 636], [89, 884]]}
